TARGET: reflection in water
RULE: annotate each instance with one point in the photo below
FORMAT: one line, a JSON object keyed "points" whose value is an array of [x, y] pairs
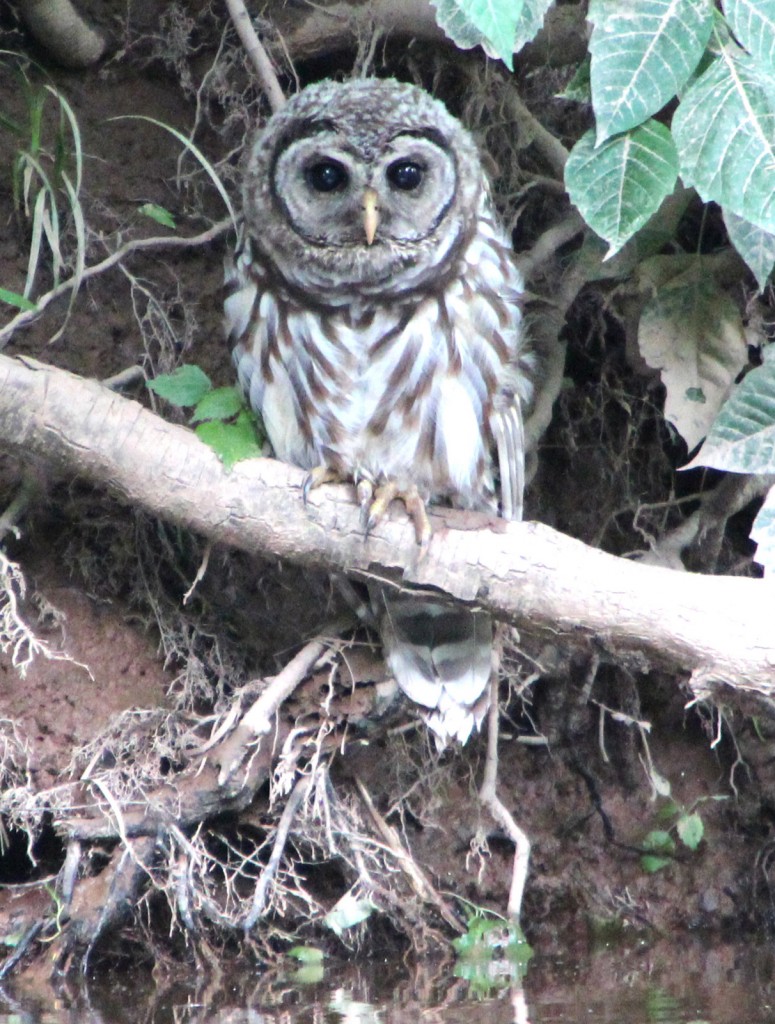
{"points": [[656, 984]]}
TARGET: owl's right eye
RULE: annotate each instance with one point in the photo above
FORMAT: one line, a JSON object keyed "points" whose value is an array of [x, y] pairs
{"points": [[326, 176]]}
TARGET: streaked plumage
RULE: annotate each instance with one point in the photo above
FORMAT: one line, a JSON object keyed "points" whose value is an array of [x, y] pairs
{"points": [[394, 359]]}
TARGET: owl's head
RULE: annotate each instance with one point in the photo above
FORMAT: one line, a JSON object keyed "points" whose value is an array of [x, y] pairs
{"points": [[363, 187]]}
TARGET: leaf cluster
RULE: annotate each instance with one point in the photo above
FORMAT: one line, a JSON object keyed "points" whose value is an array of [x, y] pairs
{"points": [[682, 94], [676, 823], [220, 417]]}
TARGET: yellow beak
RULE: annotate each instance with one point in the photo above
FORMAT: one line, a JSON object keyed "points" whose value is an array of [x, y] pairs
{"points": [[370, 214]]}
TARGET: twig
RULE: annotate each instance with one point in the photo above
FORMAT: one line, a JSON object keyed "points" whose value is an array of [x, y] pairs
{"points": [[22, 946], [488, 794], [200, 574], [124, 378], [297, 794], [546, 246], [550, 147], [411, 869], [257, 54], [704, 529], [257, 720], [26, 316]]}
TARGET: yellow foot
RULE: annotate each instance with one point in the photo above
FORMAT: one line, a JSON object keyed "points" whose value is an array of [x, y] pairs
{"points": [[317, 477], [375, 502]]}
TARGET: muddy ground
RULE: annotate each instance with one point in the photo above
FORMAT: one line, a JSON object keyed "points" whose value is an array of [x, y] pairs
{"points": [[136, 669]]}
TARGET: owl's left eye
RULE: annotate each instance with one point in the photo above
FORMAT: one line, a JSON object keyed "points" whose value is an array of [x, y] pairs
{"points": [[326, 176], [405, 175]]}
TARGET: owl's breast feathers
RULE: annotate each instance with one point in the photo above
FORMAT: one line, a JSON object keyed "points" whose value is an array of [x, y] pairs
{"points": [[407, 389]]}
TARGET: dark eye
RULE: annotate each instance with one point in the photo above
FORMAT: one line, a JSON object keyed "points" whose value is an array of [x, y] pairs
{"points": [[405, 175], [326, 176]]}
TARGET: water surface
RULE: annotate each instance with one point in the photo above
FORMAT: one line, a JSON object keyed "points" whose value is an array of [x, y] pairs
{"points": [[665, 984]]}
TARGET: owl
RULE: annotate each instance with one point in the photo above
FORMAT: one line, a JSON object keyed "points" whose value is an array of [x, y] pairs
{"points": [[373, 306]]}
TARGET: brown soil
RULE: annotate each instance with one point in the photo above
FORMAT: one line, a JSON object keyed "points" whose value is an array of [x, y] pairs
{"points": [[105, 591]]}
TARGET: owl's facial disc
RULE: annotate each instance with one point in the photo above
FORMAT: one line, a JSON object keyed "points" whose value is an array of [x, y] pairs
{"points": [[335, 194]]}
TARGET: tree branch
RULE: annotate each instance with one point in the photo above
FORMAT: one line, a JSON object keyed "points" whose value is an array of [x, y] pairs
{"points": [[718, 629]]}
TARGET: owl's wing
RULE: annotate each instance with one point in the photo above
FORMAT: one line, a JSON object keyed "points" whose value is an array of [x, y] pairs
{"points": [[509, 432]]}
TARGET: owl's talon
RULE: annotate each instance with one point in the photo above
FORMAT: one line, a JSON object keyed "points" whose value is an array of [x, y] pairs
{"points": [[383, 496], [372, 512], [364, 490], [316, 478], [415, 507]]}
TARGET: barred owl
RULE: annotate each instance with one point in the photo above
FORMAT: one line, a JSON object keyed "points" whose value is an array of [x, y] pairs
{"points": [[373, 306]]}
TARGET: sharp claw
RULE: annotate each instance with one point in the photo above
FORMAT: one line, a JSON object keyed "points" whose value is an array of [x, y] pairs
{"points": [[315, 478], [415, 507], [306, 487]]}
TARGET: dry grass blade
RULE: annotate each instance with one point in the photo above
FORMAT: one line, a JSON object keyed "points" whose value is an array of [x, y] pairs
{"points": [[196, 152]]}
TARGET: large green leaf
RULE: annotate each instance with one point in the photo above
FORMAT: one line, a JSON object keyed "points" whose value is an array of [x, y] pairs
{"points": [[643, 52], [218, 404], [185, 386], [491, 24], [530, 21], [742, 439], [724, 129], [501, 27], [692, 333], [620, 184], [755, 245], [753, 22], [231, 442]]}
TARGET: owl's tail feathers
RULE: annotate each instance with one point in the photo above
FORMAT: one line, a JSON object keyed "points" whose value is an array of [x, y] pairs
{"points": [[441, 657]]}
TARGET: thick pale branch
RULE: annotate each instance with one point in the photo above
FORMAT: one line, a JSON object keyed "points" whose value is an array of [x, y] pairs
{"points": [[719, 629]]}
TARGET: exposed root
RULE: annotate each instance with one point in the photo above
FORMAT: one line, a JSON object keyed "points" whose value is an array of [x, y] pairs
{"points": [[414, 873], [260, 895], [488, 794]]}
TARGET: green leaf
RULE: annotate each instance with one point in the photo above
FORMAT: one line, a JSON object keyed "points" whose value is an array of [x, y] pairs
{"points": [[530, 21], [185, 386], [742, 439], [763, 534], [491, 24], [724, 129], [651, 863], [668, 811], [158, 213], [692, 333], [307, 954], [690, 830], [753, 22], [620, 184], [348, 912], [643, 52], [309, 974], [14, 299], [755, 245], [218, 404], [231, 442], [658, 843]]}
